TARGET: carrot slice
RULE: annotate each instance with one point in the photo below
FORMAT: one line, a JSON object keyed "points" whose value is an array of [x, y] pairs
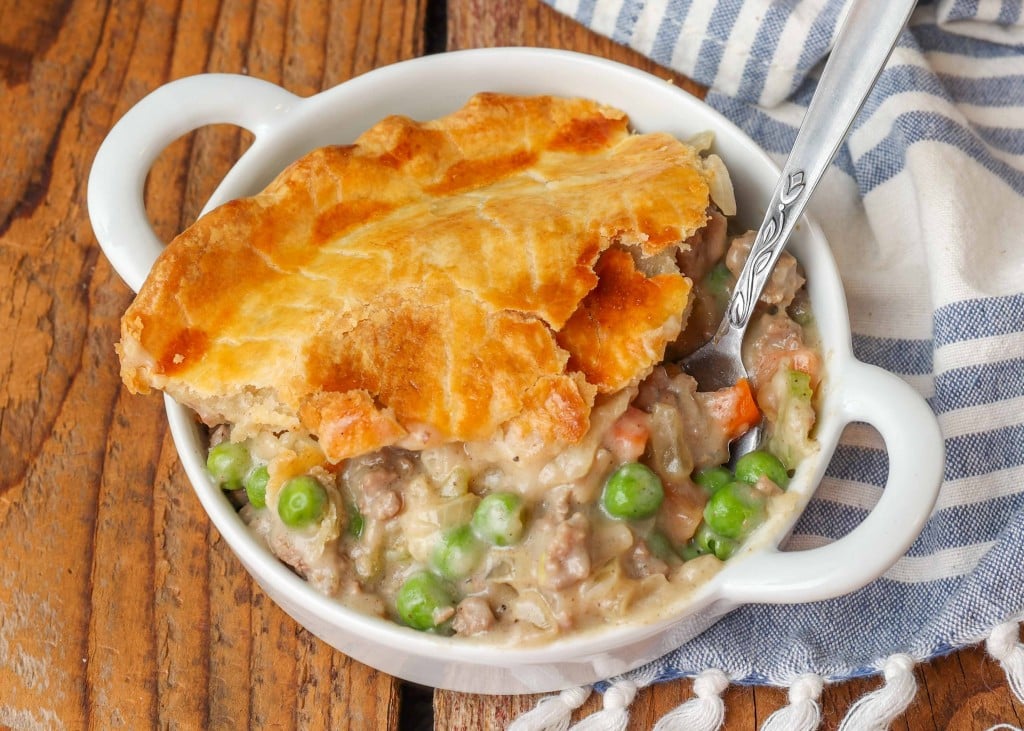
{"points": [[735, 409], [628, 436], [747, 415]]}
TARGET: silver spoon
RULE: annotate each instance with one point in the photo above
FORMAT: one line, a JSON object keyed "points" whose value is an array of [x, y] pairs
{"points": [[861, 49]]}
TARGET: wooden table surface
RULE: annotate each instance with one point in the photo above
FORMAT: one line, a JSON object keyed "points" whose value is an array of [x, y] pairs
{"points": [[120, 606]]}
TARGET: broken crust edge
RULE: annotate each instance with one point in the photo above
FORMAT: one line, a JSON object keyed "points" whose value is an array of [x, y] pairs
{"points": [[141, 375], [350, 423], [555, 410]]}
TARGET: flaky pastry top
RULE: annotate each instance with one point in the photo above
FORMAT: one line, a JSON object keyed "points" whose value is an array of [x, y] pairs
{"points": [[494, 269]]}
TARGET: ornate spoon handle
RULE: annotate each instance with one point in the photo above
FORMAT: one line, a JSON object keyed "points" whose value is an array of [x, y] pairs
{"points": [[865, 41]]}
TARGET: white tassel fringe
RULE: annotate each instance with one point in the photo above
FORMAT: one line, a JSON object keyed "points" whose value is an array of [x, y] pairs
{"points": [[705, 711], [552, 713], [803, 712], [879, 708], [615, 714], [1003, 645]]}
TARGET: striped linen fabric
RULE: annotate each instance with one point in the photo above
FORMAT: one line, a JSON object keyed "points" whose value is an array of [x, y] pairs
{"points": [[924, 209]]}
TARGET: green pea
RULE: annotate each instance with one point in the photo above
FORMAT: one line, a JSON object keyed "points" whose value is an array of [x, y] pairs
{"points": [[689, 551], [255, 484], [302, 501], [751, 466], [420, 598], [713, 479], [800, 309], [719, 282], [660, 546], [457, 553], [735, 510], [228, 463], [632, 492], [707, 541], [498, 519]]}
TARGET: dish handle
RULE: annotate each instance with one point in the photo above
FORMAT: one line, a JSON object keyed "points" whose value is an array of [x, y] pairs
{"points": [[118, 176], [916, 462]]}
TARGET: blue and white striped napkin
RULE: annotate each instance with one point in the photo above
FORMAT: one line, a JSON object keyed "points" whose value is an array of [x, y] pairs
{"points": [[924, 209]]}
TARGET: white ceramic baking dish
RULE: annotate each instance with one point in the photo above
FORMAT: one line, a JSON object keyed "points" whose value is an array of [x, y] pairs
{"points": [[286, 126]]}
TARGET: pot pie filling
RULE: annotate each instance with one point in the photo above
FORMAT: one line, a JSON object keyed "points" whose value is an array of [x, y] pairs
{"points": [[438, 367]]}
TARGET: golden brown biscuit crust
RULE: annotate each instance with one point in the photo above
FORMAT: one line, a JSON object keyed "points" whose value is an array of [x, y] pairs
{"points": [[426, 274]]}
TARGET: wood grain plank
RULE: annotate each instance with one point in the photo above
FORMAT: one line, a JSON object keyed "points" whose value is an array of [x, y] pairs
{"points": [[125, 683], [123, 680], [120, 647], [47, 48], [653, 703], [147, 619], [467, 711], [181, 599], [232, 674], [38, 352], [314, 689], [265, 50], [45, 584], [967, 690], [186, 637], [272, 669], [57, 390], [211, 37], [47, 536]]}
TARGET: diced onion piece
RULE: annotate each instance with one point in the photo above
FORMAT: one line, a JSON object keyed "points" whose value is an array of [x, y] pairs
{"points": [[670, 457], [702, 141], [722, 192]]}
